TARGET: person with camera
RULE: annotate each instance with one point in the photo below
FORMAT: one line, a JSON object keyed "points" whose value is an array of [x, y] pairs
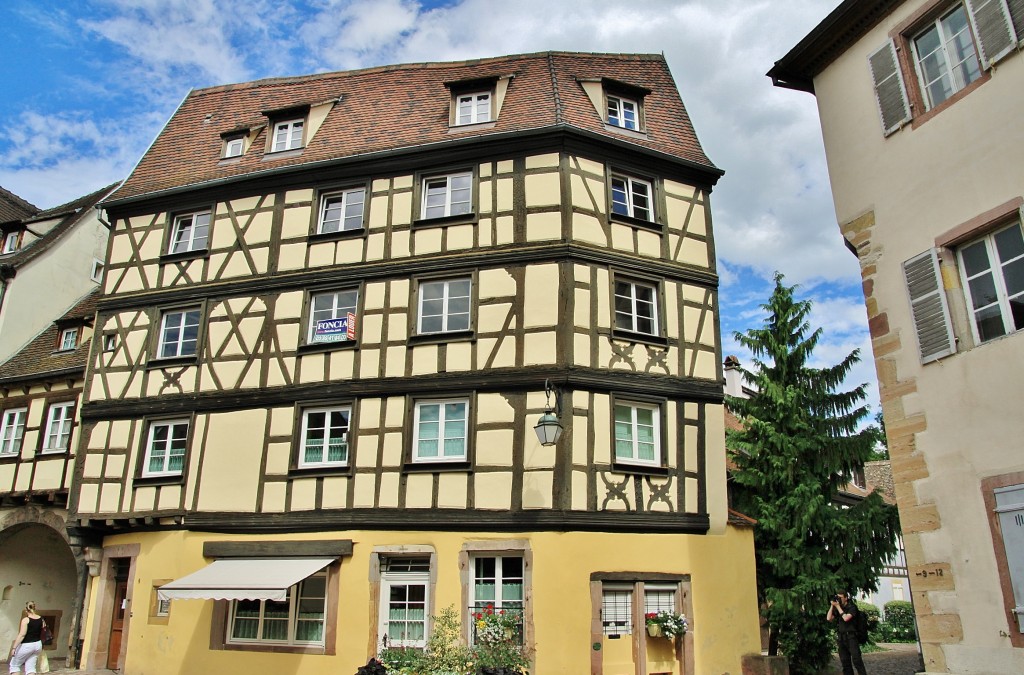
{"points": [[843, 610]]}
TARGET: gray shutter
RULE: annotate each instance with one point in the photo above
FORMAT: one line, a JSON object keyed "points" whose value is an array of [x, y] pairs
{"points": [[996, 36], [1016, 8], [1010, 511], [890, 92], [928, 305]]}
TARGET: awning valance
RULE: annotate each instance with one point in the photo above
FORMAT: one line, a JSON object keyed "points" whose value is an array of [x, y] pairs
{"points": [[243, 579]]}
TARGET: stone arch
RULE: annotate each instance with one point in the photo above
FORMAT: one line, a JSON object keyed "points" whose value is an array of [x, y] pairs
{"points": [[32, 514]]}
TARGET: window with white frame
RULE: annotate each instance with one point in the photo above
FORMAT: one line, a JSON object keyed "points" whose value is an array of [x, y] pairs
{"points": [[11, 242], [444, 305], [59, 419], [404, 601], [68, 339], [96, 274], [945, 57], [166, 444], [298, 620], [993, 275], [623, 112], [449, 195], [498, 587], [179, 333], [636, 307], [329, 319], [617, 609], [341, 211], [190, 232], [12, 429], [324, 436], [473, 108], [440, 430], [632, 197], [638, 433], [288, 135], [234, 147], [109, 342]]}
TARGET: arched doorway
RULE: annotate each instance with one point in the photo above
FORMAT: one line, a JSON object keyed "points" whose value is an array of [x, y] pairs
{"points": [[36, 563]]}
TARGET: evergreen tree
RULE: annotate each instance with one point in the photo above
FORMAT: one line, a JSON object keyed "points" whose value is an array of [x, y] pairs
{"points": [[798, 445]]}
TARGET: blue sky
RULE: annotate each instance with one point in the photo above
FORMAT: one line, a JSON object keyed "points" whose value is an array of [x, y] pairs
{"points": [[88, 85]]}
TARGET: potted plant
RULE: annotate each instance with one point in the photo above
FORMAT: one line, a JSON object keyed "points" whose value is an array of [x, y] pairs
{"points": [[498, 648], [665, 624]]}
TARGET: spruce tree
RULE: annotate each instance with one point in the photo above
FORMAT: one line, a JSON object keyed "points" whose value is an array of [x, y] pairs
{"points": [[799, 443]]}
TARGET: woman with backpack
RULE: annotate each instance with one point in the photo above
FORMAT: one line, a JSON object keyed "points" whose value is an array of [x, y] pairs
{"points": [[844, 611], [28, 644]]}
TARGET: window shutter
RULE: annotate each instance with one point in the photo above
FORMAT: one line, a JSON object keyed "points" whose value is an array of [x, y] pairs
{"points": [[991, 19], [928, 305], [1010, 511], [1016, 8], [890, 92]]}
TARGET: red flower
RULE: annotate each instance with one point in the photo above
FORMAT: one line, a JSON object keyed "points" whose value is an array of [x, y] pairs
{"points": [[651, 615]]}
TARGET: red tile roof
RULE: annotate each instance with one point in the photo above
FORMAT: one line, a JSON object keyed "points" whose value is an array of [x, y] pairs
{"points": [[402, 107], [13, 207]]}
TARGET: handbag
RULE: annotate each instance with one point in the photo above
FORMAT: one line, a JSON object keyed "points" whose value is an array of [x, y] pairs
{"points": [[47, 635], [43, 663]]}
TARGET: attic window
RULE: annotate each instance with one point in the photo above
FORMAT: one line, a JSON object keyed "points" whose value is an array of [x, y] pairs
{"points": [[68, 339], [11, 242], [288, 135], [234, 146], [475, 101], [624, 104]]}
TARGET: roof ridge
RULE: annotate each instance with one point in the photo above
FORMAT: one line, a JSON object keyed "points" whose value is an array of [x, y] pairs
{"points": [[342, 74], [554, 89]]}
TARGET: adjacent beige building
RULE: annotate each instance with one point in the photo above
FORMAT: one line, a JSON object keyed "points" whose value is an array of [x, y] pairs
{"points": [[920, 111]]}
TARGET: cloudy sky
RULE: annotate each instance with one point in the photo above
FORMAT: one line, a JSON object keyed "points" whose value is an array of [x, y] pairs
{"points": [[88, 85]]}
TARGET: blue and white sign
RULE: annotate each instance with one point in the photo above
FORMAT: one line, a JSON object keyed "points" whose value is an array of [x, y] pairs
{"points": [[335, 330]]}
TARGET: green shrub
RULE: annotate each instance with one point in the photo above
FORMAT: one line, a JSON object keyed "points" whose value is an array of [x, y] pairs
{"points": [[899, 614]]}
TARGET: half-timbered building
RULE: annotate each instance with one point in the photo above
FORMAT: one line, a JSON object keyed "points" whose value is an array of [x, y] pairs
{"points": [[335, 308]]}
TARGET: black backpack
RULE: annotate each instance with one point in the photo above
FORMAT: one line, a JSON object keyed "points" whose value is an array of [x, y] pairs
{"points": [[861, 625]]}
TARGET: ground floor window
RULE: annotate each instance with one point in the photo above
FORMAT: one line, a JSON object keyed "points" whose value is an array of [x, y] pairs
{"points": [[498, 587], [404, 601], [617, 609], [298, 620]]}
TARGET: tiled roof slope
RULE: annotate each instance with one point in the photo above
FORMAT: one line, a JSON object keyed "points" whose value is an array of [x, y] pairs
{"points": [[13, 207], [405, 106], [39, 357], [70, 213]]}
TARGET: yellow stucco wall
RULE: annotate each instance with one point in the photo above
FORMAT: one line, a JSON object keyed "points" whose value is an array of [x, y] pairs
{"points": [[723, 622]]}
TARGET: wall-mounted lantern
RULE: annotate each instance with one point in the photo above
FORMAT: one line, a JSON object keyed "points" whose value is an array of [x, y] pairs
{"points": [[548, 428]]}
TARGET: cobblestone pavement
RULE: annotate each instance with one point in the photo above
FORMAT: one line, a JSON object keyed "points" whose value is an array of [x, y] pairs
{"points": [[897, 659]]}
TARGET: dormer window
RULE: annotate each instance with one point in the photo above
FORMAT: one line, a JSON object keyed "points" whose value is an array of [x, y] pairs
{"points": [[623, 112], [288, 135], [476, 101], [473, 108], [11, 242], [234, 147], [68, 339]]}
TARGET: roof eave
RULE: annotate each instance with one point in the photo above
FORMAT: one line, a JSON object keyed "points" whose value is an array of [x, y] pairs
{"points": [[713, 173], [846, 24]]}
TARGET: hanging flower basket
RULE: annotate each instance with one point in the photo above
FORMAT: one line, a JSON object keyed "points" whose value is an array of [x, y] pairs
{"points": [[665, 624]]}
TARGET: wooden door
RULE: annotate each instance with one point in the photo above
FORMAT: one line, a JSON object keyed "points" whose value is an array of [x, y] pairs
{"points": [[117, 624]]}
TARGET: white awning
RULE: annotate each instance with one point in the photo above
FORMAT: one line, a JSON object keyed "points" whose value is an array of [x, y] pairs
{"points": [[243, 579]]}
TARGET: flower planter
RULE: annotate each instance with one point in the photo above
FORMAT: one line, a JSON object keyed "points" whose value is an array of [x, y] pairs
{"points": [[654, 630]]}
